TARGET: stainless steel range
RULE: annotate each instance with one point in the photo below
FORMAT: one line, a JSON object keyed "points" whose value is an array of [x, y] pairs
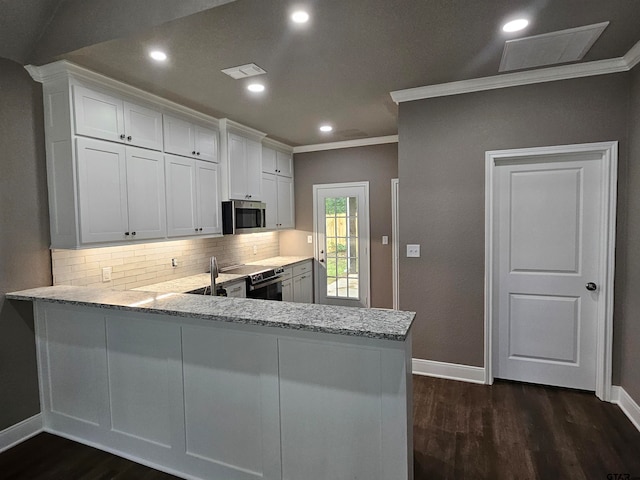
{"points": [[262, 282]]}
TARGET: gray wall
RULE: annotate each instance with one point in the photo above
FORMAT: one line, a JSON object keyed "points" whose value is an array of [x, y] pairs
{"points": [[25, 261], [628, 328], [377, 164], [441, 170]]}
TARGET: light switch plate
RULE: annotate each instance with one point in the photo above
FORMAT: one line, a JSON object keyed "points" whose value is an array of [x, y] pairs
{"points": [[309, 239], [385, 240], [413, 251], [106, 274]]}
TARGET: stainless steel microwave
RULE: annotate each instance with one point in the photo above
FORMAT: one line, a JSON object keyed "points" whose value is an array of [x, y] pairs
{"points": [[239, 216]]}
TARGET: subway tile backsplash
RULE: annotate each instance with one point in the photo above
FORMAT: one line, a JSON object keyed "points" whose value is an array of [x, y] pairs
{"points": [[138, 265]]}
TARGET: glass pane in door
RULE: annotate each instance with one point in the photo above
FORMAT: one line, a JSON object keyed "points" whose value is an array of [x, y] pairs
{"points": [[341, 247]]}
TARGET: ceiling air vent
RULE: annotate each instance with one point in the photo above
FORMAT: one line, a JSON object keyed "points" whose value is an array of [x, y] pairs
{"points": [[550, 48], [244, 71]]}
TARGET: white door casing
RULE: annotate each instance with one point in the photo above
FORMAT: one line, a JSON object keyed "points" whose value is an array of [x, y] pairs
{"points": [[359, 262], [542, 247]]}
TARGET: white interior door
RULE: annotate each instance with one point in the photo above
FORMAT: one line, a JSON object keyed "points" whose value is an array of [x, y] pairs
{"points": [[549, 230], [341, 219]]}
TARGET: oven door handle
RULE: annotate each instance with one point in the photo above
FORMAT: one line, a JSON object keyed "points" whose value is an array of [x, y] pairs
{"points": [[266, 283]]}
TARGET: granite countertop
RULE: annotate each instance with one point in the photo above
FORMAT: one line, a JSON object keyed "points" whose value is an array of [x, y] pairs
{"points": [[361, 322], [280, 261], [193, 282]]}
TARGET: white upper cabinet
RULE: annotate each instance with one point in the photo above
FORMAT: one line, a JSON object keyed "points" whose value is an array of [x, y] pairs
{"points": [[120, 192], [190, 140], [245, 168], [110, 118], [193, 197], [277, 188]]}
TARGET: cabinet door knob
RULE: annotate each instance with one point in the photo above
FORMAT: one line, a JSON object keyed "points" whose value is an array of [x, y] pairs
{"points": [[133, 233], [200, 229], [126, 234], [129, 138], [198, 153], [193, 153], [196, 229], [122, 136]]}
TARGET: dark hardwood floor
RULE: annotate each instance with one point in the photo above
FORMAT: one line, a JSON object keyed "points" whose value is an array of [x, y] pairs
{"points": [[519, 431], [461, 431]]}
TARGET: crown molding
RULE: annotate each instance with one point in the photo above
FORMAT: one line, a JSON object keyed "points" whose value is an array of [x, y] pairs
{"points": [[362, 142], [65, 70], [276, 145], [632, 57], [228, 125], [542, 75]]}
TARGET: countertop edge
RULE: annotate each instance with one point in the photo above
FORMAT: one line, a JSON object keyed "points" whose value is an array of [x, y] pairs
{"points": [[221, 318]]}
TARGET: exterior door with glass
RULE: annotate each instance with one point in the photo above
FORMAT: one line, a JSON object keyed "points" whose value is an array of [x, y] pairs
{"points": [[341, 224]]}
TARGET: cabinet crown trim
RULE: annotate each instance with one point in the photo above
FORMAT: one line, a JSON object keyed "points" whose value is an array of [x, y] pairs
{"points": [[234, 127], [276, 145], [65, 70]]}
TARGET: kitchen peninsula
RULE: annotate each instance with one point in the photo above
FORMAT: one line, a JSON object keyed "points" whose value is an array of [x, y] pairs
{"points": [[227, 388]]}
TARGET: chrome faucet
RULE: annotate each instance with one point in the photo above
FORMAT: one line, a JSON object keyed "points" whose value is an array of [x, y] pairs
{"points": [[213, 268]]}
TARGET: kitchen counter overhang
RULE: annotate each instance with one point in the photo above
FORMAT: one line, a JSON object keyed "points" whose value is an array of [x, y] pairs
{"points": [[361, 322], [224, 388]]}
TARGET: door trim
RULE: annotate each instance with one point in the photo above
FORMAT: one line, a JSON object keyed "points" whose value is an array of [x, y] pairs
{"points": [[395, 244], [604, 335], [316, 245]]}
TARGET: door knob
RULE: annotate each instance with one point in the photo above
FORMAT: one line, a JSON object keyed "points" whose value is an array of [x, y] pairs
{"points": [[322, 260], [591, 286]]}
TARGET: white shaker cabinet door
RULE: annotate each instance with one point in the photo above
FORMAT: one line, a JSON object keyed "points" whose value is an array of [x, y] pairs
{"points": [[143, 126], [181, 196], [206, 144], [270, 198], [284, 164], [285, 203], [303, 288], [254, 170], [268, 160], [102, 191], [208, 198], [287, 290], [178, 136], [98, 115], [146, 194], [237, 167]]}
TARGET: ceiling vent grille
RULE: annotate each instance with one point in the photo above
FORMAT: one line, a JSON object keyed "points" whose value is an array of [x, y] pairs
{"points": [[550, 48], [244, 71]]}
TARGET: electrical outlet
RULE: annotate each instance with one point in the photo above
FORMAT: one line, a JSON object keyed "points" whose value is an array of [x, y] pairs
{"points": [[174, 262], [255, 249], [309, 238], [413, 251], [385, 240], [106, 274]]}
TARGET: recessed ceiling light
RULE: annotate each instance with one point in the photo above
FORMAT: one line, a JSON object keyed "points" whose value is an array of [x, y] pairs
{"points": [[158, 55], [515, 25], [300, 16], [255, 87], [326, 128]]}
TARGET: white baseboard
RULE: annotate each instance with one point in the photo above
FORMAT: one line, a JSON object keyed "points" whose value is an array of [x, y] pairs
{"points": [[627, 404], [15, 434], [451, 371]]}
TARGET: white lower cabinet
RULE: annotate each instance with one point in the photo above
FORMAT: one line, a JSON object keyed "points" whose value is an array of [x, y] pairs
{"points": [[193, 199], [236, 289], [297, 285], [222, 401], [287, 290], [120, 192]]}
